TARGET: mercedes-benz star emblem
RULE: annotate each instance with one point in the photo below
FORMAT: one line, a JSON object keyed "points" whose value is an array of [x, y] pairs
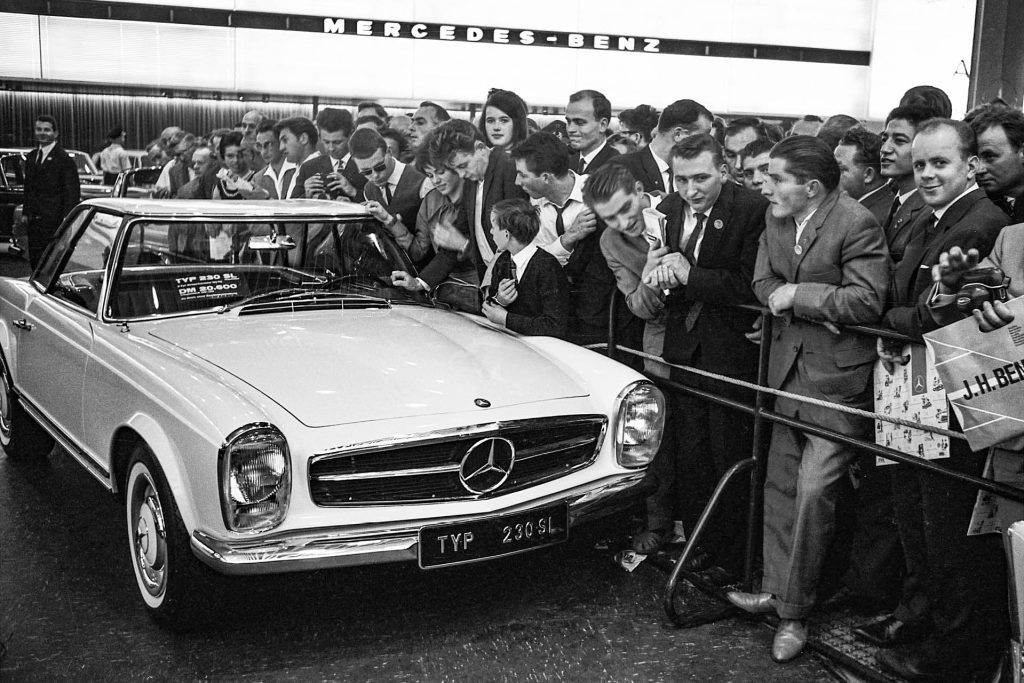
{"points": [[482, 403], [487, 464]]}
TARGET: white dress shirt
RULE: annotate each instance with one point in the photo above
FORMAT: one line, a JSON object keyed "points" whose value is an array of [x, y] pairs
{"points": [[548, 238]]}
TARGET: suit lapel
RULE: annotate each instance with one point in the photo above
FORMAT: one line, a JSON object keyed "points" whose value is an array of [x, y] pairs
{"points": [[810, 231], [717, 223], [492, 171], [651, 168]]}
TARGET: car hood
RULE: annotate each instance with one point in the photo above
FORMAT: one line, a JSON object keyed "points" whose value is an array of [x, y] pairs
{"points": [[334, 367]]}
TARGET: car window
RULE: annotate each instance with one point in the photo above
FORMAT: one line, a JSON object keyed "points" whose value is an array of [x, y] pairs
{"points": [[80, 279], [170, 267], [13, 166]]}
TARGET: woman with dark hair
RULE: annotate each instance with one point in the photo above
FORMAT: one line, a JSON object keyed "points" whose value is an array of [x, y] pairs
{"points": [[503, 121]]}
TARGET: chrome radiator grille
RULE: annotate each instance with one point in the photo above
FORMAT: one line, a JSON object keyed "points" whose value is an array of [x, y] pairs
{"points": [[442, 467]]}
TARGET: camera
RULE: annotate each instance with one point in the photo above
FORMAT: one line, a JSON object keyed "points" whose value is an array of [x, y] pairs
{"points": [[979, 285], [325, 178]]}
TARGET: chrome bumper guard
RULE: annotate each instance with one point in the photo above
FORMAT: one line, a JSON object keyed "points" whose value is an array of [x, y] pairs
{"points": [[327, 548]]}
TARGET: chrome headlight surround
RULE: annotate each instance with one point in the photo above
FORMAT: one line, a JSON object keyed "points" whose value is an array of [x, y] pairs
{"points": [[255, 477], [639, 424]]}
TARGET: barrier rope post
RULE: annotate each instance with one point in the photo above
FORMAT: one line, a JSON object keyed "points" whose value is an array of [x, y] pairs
{"points": [[613, 305], [758, 453]]}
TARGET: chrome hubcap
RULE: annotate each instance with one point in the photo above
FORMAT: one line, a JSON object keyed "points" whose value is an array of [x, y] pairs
{"points": [[150, 537]]}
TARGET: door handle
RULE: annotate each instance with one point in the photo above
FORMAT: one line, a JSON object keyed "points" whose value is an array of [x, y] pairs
{"points": [[22, 324]]}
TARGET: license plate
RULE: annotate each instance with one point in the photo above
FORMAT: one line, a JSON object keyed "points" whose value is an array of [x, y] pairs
{"points": [[481, 539]]}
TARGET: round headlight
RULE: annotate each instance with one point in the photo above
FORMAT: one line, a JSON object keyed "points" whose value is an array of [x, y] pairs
{"points": [[639, 424], [255, 478]]}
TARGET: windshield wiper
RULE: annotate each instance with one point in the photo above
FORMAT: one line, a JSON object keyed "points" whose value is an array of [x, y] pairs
{"points": [[338, 279], [264, 296]]}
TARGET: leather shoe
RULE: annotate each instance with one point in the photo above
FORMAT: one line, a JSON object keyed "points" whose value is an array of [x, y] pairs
{"points": [[891, 631], [789, 641], [755, 603], [910, 664]]}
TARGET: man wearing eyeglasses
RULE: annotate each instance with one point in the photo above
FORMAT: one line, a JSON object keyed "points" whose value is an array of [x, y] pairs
{"points": [[650, 165], [394, 190]]}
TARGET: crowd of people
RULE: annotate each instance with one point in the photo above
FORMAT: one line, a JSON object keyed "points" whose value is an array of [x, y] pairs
{"points": [[688, 217]]}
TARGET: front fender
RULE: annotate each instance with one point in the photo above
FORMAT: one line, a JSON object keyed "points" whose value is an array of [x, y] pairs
{"points": [[166, 453]]}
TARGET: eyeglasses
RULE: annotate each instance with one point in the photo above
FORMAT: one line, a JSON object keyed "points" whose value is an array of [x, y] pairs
{"points": [[379, 168]]}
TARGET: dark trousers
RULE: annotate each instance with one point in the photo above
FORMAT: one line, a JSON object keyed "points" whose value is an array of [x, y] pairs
{"points": [[875, 556], [951, 578], [706, 439], [40, 234]]}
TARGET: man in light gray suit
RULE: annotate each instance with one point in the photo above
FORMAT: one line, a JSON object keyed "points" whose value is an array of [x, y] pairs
{"points": [[822, 262]]}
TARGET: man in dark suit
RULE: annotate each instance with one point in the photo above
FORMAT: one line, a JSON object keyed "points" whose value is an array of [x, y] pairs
{"points": [[958, 214], [897, 165], [51, 188], [1000, 133], [490, 176], [707, 264], [860, 171], [586, 119], [822, 262], [569, 231], [332, 172], [650, 165], [931, 512], [394, 192], [298, 138]]}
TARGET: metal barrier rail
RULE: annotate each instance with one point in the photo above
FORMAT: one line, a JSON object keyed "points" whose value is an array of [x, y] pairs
{"points": [[756, 463]]}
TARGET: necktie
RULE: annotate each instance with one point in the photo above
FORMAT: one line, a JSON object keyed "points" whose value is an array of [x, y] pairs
{"points": [[670, 186], [892, 214], [387, 193], [582, 166], [512, 269], [559, 222], [691, 244]]}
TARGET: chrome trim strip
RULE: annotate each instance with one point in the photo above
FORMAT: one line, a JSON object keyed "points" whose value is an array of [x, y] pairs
{"points": [[387, 474], [450, 434], [563, 445], [95, 469], [309, 549]]}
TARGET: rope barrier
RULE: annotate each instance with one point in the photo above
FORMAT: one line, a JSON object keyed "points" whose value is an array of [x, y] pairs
{"points": [[796, 397]]}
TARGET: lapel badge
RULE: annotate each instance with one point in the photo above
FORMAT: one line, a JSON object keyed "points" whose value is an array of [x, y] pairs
{"points": [[719, 224], [798, 249]]}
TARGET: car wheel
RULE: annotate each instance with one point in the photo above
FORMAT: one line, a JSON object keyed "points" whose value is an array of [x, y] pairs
{"points": [[175, 586], [21, 437]]}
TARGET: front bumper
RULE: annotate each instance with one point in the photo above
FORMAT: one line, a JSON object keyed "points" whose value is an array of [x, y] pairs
{"points": [[341, 547]]}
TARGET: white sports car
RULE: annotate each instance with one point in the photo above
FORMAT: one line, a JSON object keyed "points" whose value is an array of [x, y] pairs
{"points": [[248, 381]]}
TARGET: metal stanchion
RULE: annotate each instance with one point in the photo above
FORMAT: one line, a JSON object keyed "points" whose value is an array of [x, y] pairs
{"points": [[758, 455]]}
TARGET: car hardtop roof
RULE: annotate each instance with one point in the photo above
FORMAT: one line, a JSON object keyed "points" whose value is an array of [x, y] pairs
{"points": [[197, 208]]}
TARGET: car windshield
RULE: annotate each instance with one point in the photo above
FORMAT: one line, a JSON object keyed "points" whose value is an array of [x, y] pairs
{"points": [[173, 267], [83, 163]]}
